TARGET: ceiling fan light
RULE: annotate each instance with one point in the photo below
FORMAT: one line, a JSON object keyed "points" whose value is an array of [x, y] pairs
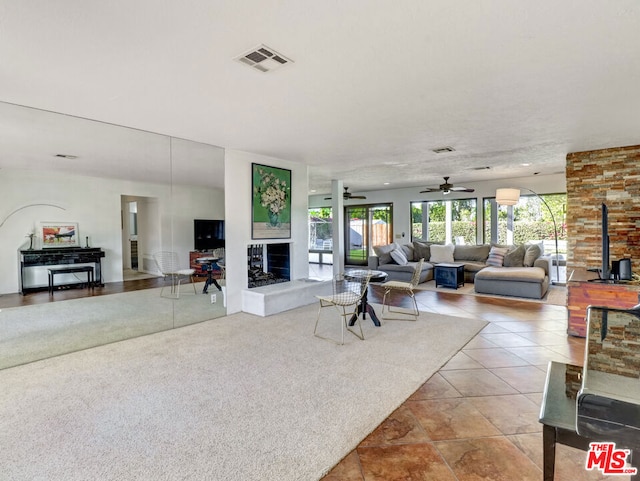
{"points": [[507, 196]]}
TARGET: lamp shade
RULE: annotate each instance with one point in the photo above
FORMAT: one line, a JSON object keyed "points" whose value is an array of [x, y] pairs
{"points": [[507, 196]]}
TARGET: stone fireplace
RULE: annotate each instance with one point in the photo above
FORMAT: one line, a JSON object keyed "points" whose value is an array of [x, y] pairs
{"points": [[268, 264]]}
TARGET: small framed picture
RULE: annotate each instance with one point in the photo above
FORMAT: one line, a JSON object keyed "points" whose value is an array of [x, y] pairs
{"points": [[59, 234]]}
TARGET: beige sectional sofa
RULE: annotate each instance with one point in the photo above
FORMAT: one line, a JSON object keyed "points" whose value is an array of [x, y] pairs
{"points": [[522, 271]]}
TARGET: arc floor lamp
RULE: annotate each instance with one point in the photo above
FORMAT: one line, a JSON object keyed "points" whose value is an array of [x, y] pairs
{"points": [[510, 196]]}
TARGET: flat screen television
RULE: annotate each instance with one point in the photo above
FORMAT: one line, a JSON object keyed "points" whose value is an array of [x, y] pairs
{"points": [[208, 234]]}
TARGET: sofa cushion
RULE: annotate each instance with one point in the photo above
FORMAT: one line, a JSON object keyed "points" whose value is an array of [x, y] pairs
{"points": [[496, 256], [470, 266], [441, 253], [398, 256], [383, 252], [421, 250], [532, 253], [514, 257], [409, 267], [471, 253]]}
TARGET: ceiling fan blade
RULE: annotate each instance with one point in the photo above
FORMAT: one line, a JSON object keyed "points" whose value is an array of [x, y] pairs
{"points": [[327, 198], [357, 197], [429, 189], [461, 189]]}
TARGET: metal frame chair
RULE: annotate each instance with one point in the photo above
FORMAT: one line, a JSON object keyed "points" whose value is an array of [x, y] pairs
{"points": [[168, 265], [347, 291], [403, 288], [219, 253]]}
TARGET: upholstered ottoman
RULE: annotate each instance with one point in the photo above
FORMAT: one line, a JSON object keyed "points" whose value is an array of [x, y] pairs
{"points": [[531, 282]]}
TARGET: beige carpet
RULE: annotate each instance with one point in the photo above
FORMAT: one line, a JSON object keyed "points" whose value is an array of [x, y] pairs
{"points": [[556, 295], [237, 398]]}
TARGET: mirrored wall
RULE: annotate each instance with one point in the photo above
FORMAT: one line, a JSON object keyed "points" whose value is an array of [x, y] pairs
{"points": [[128, 195]]}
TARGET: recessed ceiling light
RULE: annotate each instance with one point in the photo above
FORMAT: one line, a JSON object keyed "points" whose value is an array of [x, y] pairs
{"points": [[263, 58], [525, 164], [312, 190], [387, 183], [67, 156]]}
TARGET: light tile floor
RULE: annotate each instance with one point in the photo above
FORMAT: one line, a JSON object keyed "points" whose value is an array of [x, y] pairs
{"points": [[477, 417]]}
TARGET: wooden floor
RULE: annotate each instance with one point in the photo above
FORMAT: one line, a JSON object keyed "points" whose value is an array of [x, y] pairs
{"points": [[41, 297]]}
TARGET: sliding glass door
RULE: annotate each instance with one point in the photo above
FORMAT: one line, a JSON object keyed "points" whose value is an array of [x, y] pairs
{"points": [[366, 226]]}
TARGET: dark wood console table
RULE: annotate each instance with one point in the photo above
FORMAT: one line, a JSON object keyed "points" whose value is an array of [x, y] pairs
{"points": [[59, 257]]}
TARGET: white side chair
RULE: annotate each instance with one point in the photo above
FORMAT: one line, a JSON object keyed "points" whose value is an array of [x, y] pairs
{"points": [[405, 288], [347, 293], [169, 266]]}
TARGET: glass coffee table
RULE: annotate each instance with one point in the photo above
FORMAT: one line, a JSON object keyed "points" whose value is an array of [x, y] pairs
{"points": [[364, 307]]}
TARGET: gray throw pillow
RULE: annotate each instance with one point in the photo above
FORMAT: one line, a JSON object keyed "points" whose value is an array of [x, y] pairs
{"points": [[530, 256], [515, 257], [408, 251], [398, 256], [421, 250], [384, 253]]}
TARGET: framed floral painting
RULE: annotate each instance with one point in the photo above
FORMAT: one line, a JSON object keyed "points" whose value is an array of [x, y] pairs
{"points": [[271, 202]]}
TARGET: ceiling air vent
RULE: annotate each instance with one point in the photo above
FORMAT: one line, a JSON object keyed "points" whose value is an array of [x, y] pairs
{"points": [[263, 58], [442, 150]]}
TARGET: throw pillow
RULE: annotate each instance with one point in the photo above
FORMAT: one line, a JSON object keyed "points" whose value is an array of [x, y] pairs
{"points": [[421, 250], [515, 257], [398, 256], [383, 253], [496, 256], [538, 243], [441, 253], [530, 256], [408, 251]]}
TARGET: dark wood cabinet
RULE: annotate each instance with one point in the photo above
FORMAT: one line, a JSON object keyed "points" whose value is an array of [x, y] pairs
{"points": [[449, 275]]}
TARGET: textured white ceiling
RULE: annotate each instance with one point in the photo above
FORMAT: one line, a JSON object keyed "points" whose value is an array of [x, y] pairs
{"points": [[374, 87]]}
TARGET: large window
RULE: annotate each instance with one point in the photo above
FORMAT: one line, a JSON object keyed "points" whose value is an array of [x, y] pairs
{"points": [[366, 226], [528, 220], [446, 221], [320, 235]]}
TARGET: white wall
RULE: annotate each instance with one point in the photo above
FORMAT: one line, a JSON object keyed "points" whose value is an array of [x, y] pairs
{"points": [[402, 198], [95, 203], [237, 173]]}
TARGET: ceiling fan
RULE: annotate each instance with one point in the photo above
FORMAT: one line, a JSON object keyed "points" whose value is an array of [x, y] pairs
{"points": [[446, 188], [346, 195]]}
